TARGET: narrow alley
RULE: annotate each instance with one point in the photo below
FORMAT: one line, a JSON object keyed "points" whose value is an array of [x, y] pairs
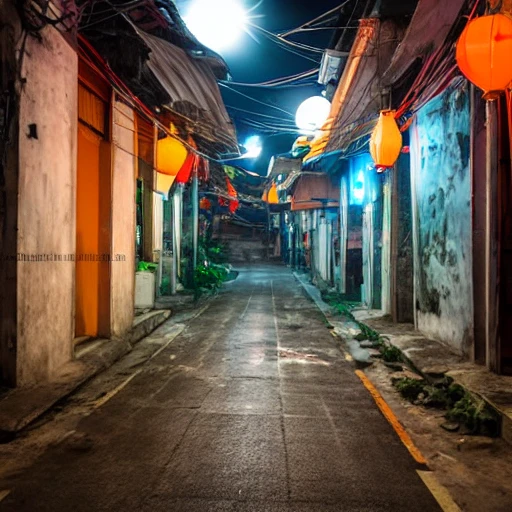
{"points": [[253, 407], [255, 255]]}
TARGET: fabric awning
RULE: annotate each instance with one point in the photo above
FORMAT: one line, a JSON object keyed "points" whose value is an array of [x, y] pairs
{"points": [[428, 30], [315, 191], [193, 89]]}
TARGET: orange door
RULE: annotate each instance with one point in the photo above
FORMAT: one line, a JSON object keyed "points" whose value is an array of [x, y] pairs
{"points": [[87, 233]]}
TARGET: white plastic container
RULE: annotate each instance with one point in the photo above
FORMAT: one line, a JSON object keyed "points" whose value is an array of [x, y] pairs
{"points": [[144, 290]]}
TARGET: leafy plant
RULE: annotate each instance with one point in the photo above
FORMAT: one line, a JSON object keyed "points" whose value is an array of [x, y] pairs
{"points": [[209, 278], [391, 354], [368, 332], [475, 415], [212, 251], [409, 388], [146, 266]]}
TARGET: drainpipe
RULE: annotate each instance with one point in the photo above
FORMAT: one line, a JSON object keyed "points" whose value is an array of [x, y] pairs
{"points": [[491, 238]]}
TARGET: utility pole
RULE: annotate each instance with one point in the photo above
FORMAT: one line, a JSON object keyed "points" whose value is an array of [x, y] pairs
{"points": [[491, 238]]}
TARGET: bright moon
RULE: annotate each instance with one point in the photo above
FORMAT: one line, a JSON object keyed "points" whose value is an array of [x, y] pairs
{"points": [[217, 25], [312, 114]]}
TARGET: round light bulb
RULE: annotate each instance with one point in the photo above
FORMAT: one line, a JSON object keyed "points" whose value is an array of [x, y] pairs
{"points": [[253, 146], [312, 114]]}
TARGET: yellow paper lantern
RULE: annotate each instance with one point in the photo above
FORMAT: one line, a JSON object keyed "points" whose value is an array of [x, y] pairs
{"points": [[273, 198], [386, 141], [170, 155], [484, 51]]}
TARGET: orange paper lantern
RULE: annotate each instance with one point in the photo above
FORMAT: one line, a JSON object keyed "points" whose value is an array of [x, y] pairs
{"points": [[264, 197], [170, 156], [273, 197], [386, 141], [205, 204], [484, 53]]}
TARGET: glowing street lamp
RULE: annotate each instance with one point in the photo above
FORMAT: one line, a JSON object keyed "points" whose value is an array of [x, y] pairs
{"points": [[312, 114], [253, 147], [217, 24]]}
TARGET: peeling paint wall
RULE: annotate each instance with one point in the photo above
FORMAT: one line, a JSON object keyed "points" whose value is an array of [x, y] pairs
{"points": [[46, 215], [123, 219], [441, 188]]}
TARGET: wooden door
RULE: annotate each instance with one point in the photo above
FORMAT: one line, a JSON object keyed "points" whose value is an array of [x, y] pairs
{"points": [[93, 205]]}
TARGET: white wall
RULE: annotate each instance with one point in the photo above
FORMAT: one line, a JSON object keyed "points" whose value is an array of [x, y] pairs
{"points": [[46, 215], [123, 219]]}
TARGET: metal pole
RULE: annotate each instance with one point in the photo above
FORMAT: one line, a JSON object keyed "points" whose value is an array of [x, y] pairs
{"points": [[195, 218], [491, 237], [174, 214], [268, 231]]}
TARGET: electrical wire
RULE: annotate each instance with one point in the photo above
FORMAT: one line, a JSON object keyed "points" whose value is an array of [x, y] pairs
{"points": [[268, 105], [281, 39], [123, 91], [317, 19], [272, 129], [280, 82], [287, 46], [259, 114]]}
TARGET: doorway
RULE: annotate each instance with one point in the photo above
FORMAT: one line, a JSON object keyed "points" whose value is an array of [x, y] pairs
{"points": [[93, 212]]}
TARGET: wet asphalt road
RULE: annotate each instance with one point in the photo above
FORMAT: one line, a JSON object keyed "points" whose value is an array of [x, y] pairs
{"points": [[252, 408]]}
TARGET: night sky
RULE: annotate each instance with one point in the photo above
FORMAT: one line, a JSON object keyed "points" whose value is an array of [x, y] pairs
{"points": [[257, 61], [254, 62]]}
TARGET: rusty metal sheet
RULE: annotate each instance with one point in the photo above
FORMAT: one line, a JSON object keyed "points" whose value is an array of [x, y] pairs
{"points": [[428, 30], [310, 188]]}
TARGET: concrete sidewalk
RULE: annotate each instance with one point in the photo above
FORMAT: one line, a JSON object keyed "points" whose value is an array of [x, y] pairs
{"points": [[22, 406], [428, 357]]}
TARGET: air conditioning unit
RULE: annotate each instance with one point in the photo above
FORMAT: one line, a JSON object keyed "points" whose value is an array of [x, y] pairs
{"points": [[331, 66]]}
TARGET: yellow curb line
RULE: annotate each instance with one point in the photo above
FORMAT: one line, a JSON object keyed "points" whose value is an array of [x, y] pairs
{"points": [[104, 399], [4, 494], [439, 492], [393, 420]]}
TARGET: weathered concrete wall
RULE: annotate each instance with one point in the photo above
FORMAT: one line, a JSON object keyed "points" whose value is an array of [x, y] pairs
{"points": [[403, 279], [123, 219], [440, 149], [10, 35], [46, 215]]}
